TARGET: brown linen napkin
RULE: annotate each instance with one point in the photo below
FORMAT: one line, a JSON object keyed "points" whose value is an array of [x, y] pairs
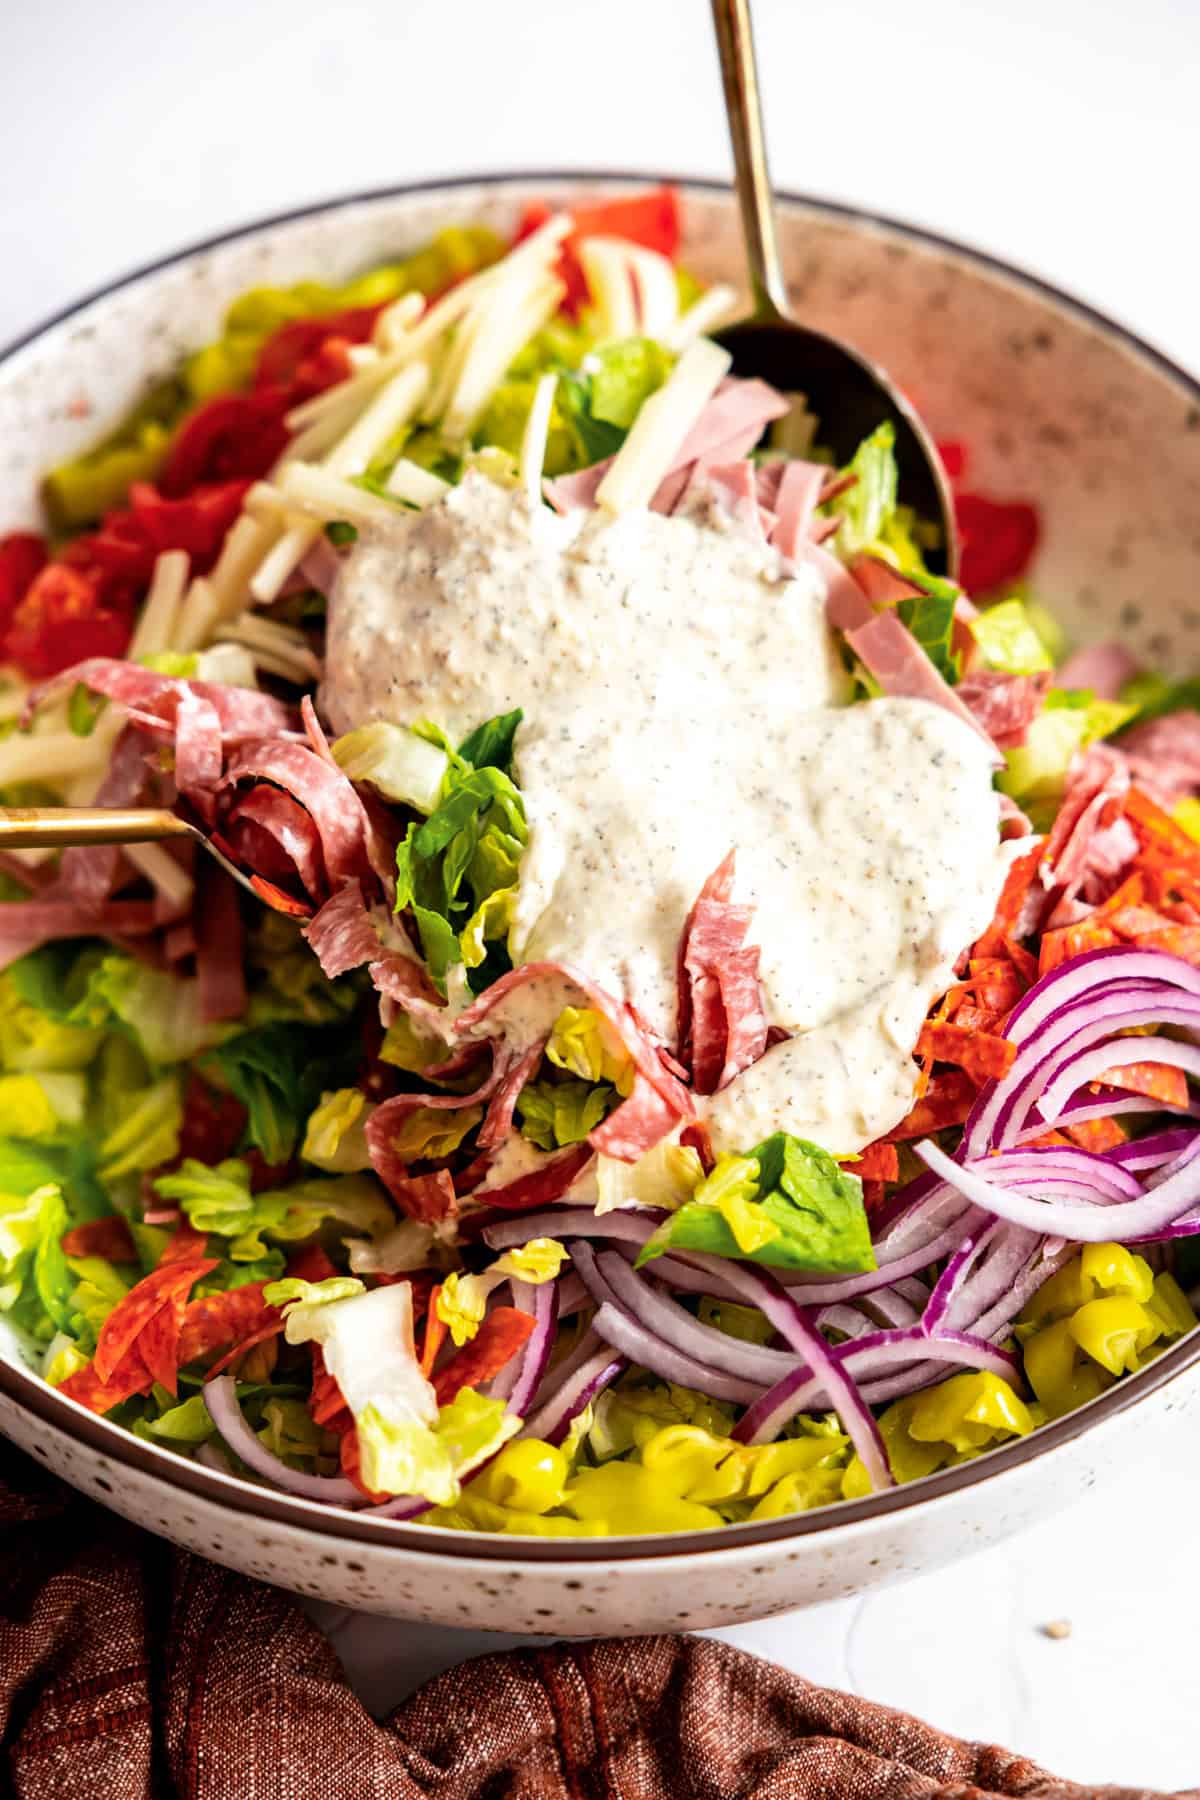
{"points": [[133, 1671]]}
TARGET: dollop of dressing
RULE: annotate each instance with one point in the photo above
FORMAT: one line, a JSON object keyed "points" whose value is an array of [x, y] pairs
{"points": [[683, 696]]}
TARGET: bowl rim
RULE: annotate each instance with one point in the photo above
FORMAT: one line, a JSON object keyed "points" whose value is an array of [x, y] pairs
{"points": [[28, 1390]]}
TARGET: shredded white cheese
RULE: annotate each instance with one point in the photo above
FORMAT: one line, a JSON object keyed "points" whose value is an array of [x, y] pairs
{"points": [[607, 271], [661, 426], [536, 433], [414, 485], [155, 629]]}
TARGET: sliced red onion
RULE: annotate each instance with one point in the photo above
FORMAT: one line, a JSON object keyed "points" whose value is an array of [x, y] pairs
{"points": [[553, 1418], [1042, 1264], [542, 1301], [795, 1327], [220, 1397], [676, 1326], [1109, 1103], [404, 1506], [1154, 1150], [922, 1360], [620, 1329], [575, 1221], [814, 1292], [1078, 1224], [1084, 1175], [1094, 1063], [571, 1295]]}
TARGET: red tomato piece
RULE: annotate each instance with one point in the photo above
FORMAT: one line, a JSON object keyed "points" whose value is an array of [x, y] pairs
{"points": [[283, 358], [998, 541], [236, 437], [61, 621], [651, 220], [22, 557], [197, 523]]}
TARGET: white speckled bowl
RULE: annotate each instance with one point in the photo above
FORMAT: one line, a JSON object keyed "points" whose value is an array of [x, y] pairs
{"points": [[1055, 402]]}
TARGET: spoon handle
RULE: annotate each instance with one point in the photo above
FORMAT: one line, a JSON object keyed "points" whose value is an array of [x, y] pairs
{"points": [[52, 827], [739, 74]]}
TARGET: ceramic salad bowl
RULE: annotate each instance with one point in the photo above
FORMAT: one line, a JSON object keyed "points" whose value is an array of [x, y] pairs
{"points": [[1058, 404]]}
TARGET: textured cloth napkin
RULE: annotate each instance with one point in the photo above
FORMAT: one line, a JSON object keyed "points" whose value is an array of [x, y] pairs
{"points": [[130, 1670]]}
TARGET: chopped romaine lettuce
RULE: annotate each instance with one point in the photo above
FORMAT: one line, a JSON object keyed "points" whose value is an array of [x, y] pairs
{"points": [[1009, 641], [786, 1204]]}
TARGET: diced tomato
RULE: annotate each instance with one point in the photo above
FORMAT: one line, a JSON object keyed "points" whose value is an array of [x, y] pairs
{"points": [[293, 359], [22, 557], [998, 540], [109, 1238], [954, 459], [198, 523], [61, 621], [651, 220], [236, 437]]}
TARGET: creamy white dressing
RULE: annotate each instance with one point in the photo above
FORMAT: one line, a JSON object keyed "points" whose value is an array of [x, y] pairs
{"points": [[683, 696]]}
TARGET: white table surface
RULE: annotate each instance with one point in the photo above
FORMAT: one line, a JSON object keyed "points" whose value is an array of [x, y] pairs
{"points": [[1063, 135]]}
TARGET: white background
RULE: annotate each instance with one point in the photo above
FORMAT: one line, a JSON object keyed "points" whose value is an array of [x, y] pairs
{"points": [[1059, 133]]}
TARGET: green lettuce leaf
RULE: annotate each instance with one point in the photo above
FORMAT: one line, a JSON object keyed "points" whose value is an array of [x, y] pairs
{"points": [[868, 507], [786, 1204], [467, 850], [554, 1114], [404, 1456], [1153, 695], [219, 1200], [1070, 720], [278, 1072], [1009, 641], [930, 618]]}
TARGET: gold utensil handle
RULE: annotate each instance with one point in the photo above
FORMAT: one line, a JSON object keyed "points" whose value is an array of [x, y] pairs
{"points": [[54, 827], [739, 74]]}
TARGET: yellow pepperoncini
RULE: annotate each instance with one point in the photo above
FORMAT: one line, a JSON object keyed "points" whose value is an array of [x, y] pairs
{"points": [[527, 1476], [1101, 1316], [625, 1497], [429, 1133], [628, 1416], [713, 1470], [945, 1424]]}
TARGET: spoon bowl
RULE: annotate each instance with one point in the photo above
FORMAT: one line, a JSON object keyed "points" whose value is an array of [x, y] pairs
{"points": [[847, 394]]}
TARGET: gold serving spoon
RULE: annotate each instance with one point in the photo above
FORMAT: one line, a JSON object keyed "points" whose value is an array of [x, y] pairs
{"points": [[849, 395], [60, 827]]}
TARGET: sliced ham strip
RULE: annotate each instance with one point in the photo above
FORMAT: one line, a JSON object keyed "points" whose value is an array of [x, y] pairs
{"points": [[893, 656], [1104, 668], [846, 606], [795, 500], [1091, 843], [1004, 706], [734, 486], [728, 428], [1164, 754], [1013, 822], [882, 584]]}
